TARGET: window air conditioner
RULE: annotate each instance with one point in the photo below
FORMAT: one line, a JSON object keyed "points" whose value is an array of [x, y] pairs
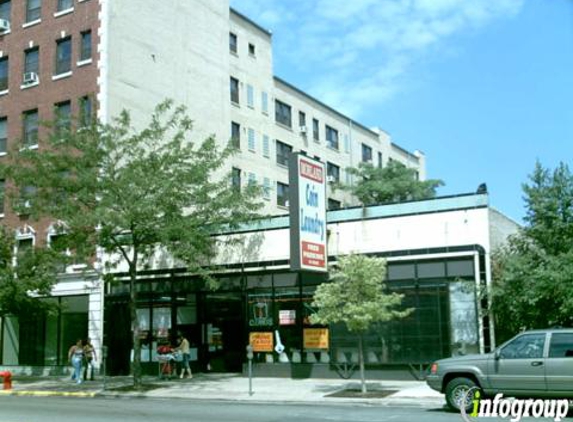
{"points": [[31, 78], [4, 25], [330, 179], [303, 130]]}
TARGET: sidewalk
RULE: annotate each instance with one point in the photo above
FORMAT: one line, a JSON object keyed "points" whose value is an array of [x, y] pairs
{"points": [[232, 387]]}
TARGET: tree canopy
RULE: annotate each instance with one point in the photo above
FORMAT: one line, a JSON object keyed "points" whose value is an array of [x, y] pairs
{"points": [[393, 183], [133, 193], [533, 275]]}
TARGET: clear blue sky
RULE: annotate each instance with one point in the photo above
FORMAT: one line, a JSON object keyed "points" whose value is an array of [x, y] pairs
{"points": [[483, 87]]}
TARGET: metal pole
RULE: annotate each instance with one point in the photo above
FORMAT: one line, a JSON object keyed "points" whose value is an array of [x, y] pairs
{"points": [[250, 377]]}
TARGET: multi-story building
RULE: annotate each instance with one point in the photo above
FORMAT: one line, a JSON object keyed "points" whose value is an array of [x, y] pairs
{"points": [[78, 57]]}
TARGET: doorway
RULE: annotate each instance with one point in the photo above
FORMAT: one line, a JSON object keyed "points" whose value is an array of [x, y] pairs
{"points": [[223, 332]]}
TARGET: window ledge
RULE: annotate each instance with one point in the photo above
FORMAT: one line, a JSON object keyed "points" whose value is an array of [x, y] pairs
{"points": [[29, 147], [332, 148], [234, 53], [289, 128], [236, 104], [26, 86], [5, 92], [84, 62], [282, 207], [63, 12], [62, 76], [31, 23], [284, 166], [252, 150], [2, 215], [5, 32], [2, 154]]}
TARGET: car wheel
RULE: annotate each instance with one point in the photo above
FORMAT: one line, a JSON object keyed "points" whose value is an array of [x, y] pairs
{"points": [[459, 393]]}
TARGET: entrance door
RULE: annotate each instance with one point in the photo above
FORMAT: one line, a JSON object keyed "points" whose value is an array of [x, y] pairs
{"points": [[223, 331]]}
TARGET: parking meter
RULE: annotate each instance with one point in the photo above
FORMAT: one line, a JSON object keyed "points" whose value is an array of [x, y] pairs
{"points": [[250, 352], [250, 358]]}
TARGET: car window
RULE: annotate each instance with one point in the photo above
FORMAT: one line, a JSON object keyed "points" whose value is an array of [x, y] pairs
{"points": [[527, 346], [561, 345]]}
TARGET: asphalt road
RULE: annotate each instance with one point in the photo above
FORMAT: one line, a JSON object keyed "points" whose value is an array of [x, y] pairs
{"points": [[59, 409]]}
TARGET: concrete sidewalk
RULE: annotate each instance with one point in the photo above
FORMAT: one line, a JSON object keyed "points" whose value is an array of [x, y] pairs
{"points": [[233, 387]]}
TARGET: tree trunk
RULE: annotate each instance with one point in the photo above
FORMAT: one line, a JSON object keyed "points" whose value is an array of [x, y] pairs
{"points": [[136, 364], [361, 362]]}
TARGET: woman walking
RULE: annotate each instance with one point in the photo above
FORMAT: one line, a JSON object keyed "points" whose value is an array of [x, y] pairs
{"points": [[75, 356]]}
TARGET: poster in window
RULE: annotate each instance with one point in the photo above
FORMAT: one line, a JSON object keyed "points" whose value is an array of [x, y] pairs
{"points": [[287, 317], [315, 338], [261, 341]]}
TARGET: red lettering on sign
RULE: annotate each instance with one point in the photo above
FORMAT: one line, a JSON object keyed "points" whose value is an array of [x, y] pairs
{"points": [[311, 171], [313, 254]]}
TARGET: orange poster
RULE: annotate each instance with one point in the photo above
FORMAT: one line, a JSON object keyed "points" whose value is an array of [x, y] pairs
{"points": [[261, 341], [315, 338]]}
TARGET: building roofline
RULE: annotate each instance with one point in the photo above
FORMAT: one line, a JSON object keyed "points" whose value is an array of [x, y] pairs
{"points": [[329, 108], [411, 154], [250, 21]]}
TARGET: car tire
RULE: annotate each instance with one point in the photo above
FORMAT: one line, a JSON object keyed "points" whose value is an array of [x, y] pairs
{"points": [[458, 389]]}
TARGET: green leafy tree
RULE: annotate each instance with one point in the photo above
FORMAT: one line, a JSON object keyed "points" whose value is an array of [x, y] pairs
{"points": [[133, 194], [393, 183], [33, 276], [356, 296], [533, 274]]}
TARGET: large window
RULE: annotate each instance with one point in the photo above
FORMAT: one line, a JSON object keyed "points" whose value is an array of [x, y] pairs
{"points": [[30, 128], [86, 111], [65, 5], [331, 137], [302, 120], [315, 130], [366, 154], [250, 96], [236, 178], [234, 90], [283, 153], [86, 45], [63, 56], [33, 10], [31, 60], [282, 194], [333, 172], [3, 73], [283, 113], [3, 135], [63, 113], [232, 42], [236, 135], [265, 102], [5, 10]]}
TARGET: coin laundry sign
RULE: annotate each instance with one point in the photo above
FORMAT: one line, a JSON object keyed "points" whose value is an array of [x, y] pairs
{"points": [[307, 214]]}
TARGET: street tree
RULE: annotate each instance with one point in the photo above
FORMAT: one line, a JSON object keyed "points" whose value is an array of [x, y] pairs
{"points": [[132, 194], [24, 276], [392, 183], [533, 274], [357, 297]]}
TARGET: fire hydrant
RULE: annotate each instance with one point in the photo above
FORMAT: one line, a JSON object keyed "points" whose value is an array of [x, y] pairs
{"points": [[7, 375]]}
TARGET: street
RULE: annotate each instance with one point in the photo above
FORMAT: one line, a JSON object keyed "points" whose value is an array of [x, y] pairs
{"points": [[56, 409]]}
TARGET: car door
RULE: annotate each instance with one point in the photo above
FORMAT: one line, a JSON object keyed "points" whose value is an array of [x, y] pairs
{"points": [[559, 364], [518, 366]]}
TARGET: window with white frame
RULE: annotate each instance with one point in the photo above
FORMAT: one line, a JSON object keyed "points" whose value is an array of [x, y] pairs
{"points": [[31, 62], [333, 172], [33, 10], [63, 112], [5, 10], [236, 178], [63, 56], [315, 130], [266, 188], [283, 113], [366, 154], [234, 90], [250, 96], [4, 73], [265, 102], [251, 139], [252, 179], [64, 5], [266, 146], [30, 128], [235, 135], [233, 42], [85, 45]]}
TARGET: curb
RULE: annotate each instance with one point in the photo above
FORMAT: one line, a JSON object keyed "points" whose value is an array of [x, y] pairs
{"points": [[44, 393]]}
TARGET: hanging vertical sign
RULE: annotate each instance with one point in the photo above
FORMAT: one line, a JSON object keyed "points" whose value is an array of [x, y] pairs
{"points": [[307, 197]]}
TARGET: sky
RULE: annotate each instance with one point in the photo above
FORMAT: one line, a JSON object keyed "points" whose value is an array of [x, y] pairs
{"points": [[484, 88]]}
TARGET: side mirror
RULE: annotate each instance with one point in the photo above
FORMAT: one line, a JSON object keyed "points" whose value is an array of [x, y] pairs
{"points": [[497, 354]]}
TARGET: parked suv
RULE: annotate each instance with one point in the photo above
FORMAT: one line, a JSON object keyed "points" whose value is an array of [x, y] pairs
{"points": [[537, 363]]}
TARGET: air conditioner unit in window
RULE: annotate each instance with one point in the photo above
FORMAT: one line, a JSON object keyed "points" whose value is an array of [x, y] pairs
{"points": [[4, 25], [31, 78], [330, 179], [303, 130]]}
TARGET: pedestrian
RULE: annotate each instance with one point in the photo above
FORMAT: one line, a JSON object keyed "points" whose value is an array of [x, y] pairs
{"points": [[184, 348], [75, 356], [89, 359]]}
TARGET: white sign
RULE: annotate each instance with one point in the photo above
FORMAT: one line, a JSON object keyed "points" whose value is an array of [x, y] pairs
{"points": [[308, 214]]}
